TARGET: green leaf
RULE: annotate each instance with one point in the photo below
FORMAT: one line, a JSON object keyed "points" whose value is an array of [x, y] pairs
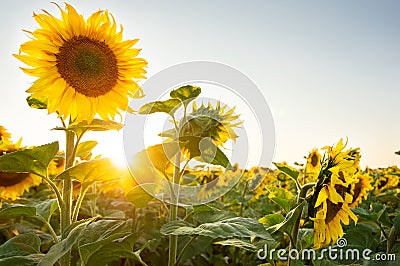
{"points": [[96, 125], [109, 251], [89, 172], [186, 93], [282, 197], [290, 171], [290, 220], [233, 227], [33, 160], [61, 248], [203, 149], [138, 196], [208, 214], [17, 210], [46, 208], [28, 260], [37, 103], [20, 245], [106, 241], [238, 243], [84, 150], [271, 219], [378, 214], [168, 106]]}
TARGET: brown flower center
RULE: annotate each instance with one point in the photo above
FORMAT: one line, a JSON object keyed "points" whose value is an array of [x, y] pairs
{"points": [[333, 209], [357, 190], [10, 179], [87, 65], [314, 160]]}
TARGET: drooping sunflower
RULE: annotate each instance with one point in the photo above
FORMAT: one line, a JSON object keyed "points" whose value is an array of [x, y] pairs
{"points": [[333, 209], [329, 207], [314, 162], [215, 122], [4, 135], [360, 189], [13, 185], [83, 67]]}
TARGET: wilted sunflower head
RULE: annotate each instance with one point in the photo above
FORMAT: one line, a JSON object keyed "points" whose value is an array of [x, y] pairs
{"points": [[216, 123], [83, 67], [332, 210], [13, 185]]}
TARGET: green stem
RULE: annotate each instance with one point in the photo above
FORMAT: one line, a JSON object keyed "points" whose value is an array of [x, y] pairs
{"points": [[192, 238], [56, 191], [94, 200], [67, 191], [302, 194], [78, 204], [173, 215], [48, 225], [391, 239]]}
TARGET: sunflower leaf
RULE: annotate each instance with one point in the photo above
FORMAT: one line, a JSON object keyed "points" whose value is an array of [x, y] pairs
{"points": [[232, 227], [20, 245], [17, 210], [33, 160], [37, 103], [92, 171], [168, 106], [238, 243], [138, 196], [59, 249], [186, 94], [47, 208], [84, 150], [96, 125], [287, 224], [290, 171], [205, 150]]}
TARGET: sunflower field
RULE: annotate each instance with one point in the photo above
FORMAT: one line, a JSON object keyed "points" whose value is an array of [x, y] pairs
{"points": [[181, 201]]}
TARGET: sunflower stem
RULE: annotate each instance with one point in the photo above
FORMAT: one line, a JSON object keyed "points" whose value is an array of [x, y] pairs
{"points": [[173, 215], [78, 204], [301, 196], [67, 191], [391, 239]]}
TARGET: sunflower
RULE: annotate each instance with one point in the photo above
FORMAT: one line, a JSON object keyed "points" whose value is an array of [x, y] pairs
{"points": [[314, 162], [83, 67], [333, 209], [359, 189], [13, 185], [335, 192], [4, 135], [212, 122]]}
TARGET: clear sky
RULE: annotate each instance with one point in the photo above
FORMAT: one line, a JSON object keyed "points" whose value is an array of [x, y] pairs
{"points": [[328, 69]]}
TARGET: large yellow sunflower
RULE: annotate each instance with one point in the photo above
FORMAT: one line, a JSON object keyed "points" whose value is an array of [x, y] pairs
{"points": [[83, 67], [13, 185]]}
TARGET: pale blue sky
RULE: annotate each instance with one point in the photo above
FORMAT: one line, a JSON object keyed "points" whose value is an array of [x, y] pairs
{"points": [[328, 69]]}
